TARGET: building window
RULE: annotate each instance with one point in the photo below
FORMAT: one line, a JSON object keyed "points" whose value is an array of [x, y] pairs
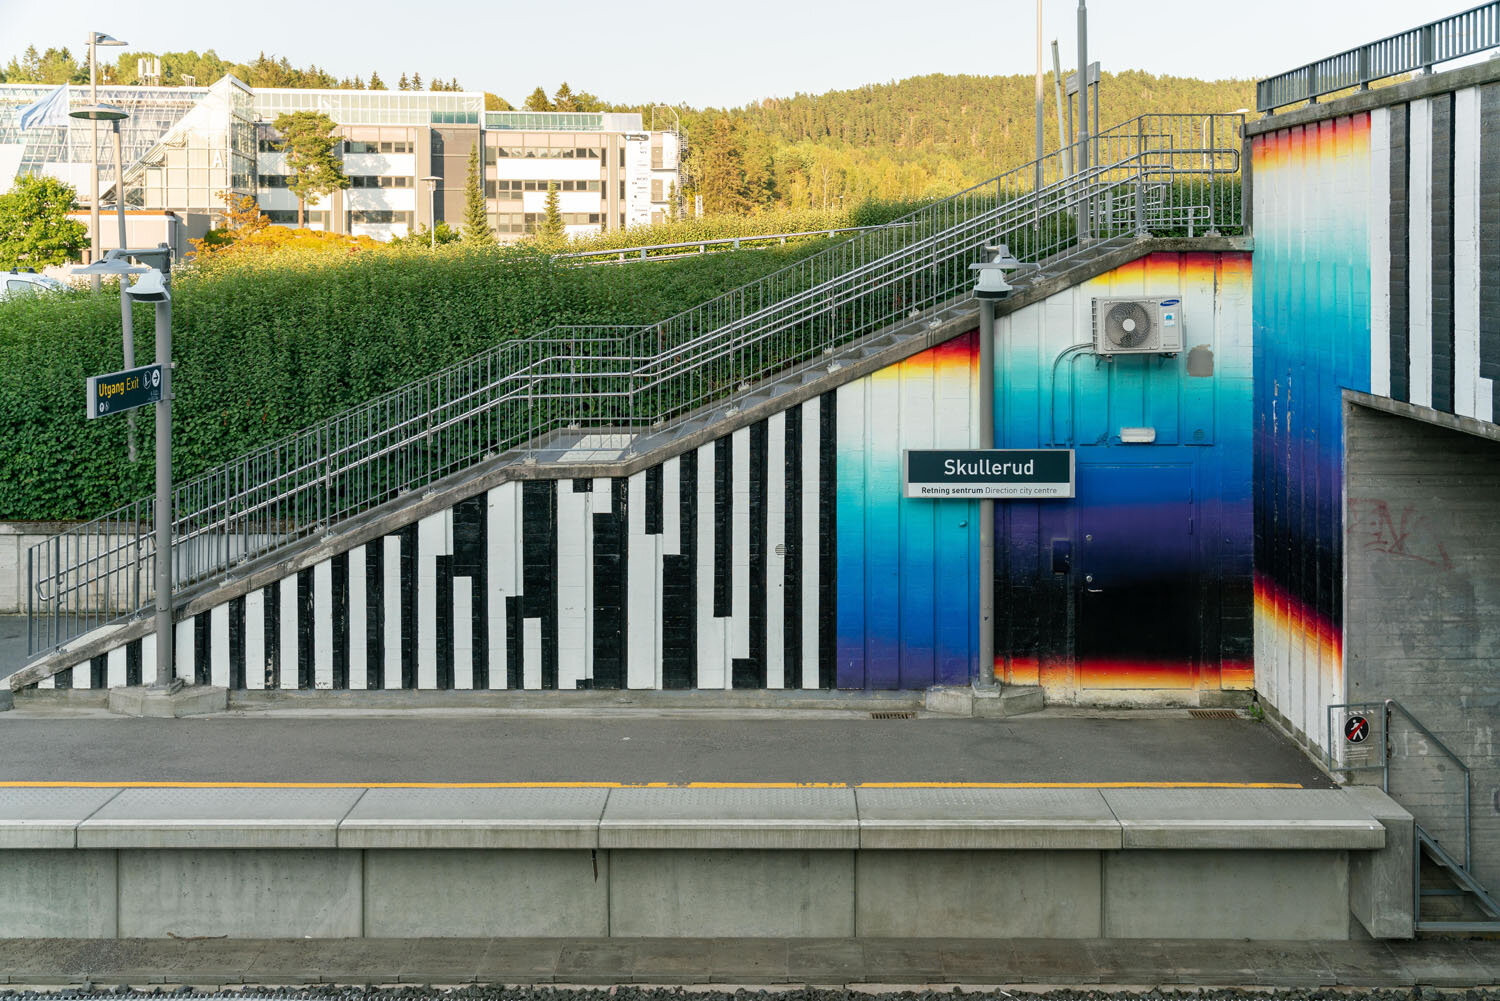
{"points": [[379, 181], [273, 180], [656, 192], [379, 217], [384, 146], [656, 155]]}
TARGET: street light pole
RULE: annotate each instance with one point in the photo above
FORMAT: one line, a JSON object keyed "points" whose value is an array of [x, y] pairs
{"points": [[431, 181], [94, 160]]}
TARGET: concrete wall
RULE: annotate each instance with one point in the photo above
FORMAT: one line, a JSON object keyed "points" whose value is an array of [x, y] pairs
{"points": [[1422, 612]]}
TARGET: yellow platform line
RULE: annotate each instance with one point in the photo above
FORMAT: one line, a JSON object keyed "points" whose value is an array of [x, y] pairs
{"points": [[173, 784]]}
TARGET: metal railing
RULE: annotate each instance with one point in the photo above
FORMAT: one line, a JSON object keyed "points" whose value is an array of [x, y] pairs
{"points": [[1463, 34], [694, 248], [1164, 174]]}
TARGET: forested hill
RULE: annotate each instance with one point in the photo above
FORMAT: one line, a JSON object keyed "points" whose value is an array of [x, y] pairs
{"points": [[913, 138]]}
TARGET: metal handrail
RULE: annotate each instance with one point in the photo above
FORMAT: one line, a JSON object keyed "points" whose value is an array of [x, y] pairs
{"points": [[648, 252], [1154, 173], [1386, 781], [1462, 34]]}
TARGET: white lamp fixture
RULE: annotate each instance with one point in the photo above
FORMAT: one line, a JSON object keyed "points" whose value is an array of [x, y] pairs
{"points": [[149, 288], [991, 283]]}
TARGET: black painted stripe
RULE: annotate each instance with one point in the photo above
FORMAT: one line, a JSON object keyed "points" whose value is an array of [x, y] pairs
{"points": [[272, 633], [444, 625], [202, 649], [306, 635], [1400, 222], [827, 539], [375, 614], [539, 567], [133, 653], [339, 582], [750, 672], [610, 577], [63, 678], [654, 520], [723, 528], [409, 625], [1489, 237], [97, 672], [583, 485], [1442, 251], [791, 615], [514, 633], [470, 559], [237, 643], [679, 629]]}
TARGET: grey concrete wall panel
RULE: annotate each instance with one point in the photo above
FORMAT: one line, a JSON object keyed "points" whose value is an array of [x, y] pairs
{"points": [[746, 893], [978, 894], [1380, 882], [730, 818], [239, 893], [474, 818], [463, 894], [219, 818], [985, 818], [47, 818], [1283, 819], [57, 894], [1422, 612], [1226, 894]]}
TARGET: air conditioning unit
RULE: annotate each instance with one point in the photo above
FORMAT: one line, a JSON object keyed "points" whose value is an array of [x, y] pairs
{"points": [[1137, 326]]}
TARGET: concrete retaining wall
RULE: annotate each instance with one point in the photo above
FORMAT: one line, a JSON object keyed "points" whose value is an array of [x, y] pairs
{"points": [[796, 863]]}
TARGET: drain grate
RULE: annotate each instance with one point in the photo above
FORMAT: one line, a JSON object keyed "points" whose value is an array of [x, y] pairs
{"points": [[1213, 714], [893, 715]]}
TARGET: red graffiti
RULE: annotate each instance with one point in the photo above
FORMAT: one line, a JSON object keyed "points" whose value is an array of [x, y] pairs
{"points": [[1374, 528]]}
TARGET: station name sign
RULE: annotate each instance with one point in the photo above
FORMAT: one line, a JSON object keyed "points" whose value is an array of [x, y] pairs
{"points": [[117, 391], [990, 474]]}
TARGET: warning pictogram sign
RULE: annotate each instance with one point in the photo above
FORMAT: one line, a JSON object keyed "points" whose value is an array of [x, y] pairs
{"points": [[1356, 729]]}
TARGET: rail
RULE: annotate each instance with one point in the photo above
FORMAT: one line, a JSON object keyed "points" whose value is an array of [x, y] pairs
{"points": [[1162, 174], [656, 251], [1463, 34]]}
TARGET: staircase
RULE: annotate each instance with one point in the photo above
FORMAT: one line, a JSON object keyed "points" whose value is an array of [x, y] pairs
{"points": [[618, 390]]}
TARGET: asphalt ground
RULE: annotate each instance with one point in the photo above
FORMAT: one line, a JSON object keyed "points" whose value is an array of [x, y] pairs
{"points": [[12, 644], [1056, 746]]}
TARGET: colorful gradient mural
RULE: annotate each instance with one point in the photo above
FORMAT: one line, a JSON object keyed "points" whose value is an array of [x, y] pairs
{"points": [[1162, 529], [908, 609], [1312, 196]]}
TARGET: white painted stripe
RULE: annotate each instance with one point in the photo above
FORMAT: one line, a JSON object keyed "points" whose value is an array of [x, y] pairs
{"points": [[640, 600], [1466, 380], [711, 673], [1419, 282], [531, 637], [184, 651], [811, 432], [603, 499], [739, 516], [255, 639], [50, 681], [115, 667], [289, 632], [776, 550], [358, 617], [323, 625], [431, 533], [83, 674], [587, 507], [390, 571], [671, 506], [573, 638], [1378, 213], [218, 645], [463, 633], [148, 659], [505, 577]]}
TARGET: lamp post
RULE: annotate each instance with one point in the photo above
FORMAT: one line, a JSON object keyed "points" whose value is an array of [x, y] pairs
{"points": [[431, 180], [990, 286], [96, 113], [150, 288], [96, 39]]}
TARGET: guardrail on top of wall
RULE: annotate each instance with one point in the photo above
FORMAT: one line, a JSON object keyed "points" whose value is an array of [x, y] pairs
{"points": [[1462, 34]]}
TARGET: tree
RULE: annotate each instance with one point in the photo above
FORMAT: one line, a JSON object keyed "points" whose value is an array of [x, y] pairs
{"points": [[721, 174], [552, 233], [423, 238], [308, 141], [404, 83], [563, 99], [35, 230], [476, 213], [376, 83], [416, 81], [538, 101], [494, 102]]}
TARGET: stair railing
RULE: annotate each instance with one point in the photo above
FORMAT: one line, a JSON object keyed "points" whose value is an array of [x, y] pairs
{"points": [[515, 398]]}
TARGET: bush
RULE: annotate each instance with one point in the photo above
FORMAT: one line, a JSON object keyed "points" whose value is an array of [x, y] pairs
{"points": [[267, 344]]}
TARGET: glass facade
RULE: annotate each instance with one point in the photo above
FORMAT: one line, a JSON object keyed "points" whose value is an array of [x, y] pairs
{"points": [[373, 107]]}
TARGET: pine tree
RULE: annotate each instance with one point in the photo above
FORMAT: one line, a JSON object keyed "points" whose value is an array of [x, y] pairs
{"points": [[476, 213], [307, 139], [563, 99], [416, 81], [404, 84], [376, 83], [538, 101], [552, 233]]}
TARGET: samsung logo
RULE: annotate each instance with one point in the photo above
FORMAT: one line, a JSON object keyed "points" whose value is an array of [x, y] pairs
{"points": [[1170, 302]]}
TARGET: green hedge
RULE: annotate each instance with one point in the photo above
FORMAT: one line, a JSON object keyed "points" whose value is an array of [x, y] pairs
{"points": [[267, 346]]}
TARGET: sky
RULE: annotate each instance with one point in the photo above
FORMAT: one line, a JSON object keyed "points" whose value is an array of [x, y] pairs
{"points": [[723, 54]]}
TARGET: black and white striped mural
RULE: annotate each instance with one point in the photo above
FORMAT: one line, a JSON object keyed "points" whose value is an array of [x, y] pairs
{"points": [[712, 570]]}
